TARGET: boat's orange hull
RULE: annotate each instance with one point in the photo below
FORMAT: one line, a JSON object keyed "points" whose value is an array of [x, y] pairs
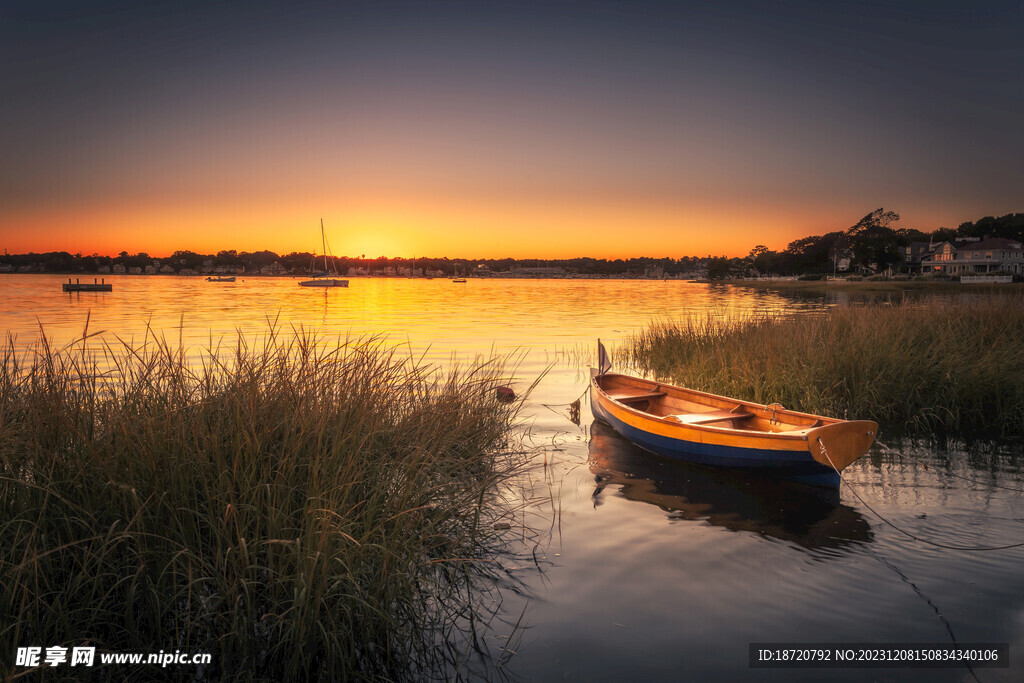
{"points": [[717, 430]]}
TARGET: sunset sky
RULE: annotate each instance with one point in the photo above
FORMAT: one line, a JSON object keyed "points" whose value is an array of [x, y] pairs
{"points": [[482, 129]]}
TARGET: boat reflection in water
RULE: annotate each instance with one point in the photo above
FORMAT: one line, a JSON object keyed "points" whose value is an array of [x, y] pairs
{"points": [[810, 517]]}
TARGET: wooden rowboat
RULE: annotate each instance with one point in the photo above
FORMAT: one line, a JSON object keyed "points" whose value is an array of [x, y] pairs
{"points": [[715, 430]]}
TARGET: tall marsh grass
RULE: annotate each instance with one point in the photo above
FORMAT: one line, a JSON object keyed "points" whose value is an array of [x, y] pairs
{"points": [[939, 366], [296, 511]]}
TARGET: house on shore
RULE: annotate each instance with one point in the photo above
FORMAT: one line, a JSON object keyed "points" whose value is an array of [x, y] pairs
{"points": [[990, 255], [915, 253], [274, 268]]}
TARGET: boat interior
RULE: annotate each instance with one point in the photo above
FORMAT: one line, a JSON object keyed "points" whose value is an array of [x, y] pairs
{"points": [[689, 407]]}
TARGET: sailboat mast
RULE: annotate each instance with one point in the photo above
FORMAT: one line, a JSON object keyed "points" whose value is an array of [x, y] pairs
{"points": [[323, 244]]}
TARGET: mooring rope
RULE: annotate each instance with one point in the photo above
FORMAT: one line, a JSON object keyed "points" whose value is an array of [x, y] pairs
{"points": [[903, 531], [921, 594]]}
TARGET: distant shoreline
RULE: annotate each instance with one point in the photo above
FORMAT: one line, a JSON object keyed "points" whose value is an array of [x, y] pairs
{"points": [[788, 284], [375, 276]]}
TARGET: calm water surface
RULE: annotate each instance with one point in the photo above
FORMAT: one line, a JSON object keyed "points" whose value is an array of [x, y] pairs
{"points": [[645, 569]]}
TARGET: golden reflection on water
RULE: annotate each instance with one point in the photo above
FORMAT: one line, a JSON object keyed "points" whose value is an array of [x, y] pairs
{"points": [[482, 316]]}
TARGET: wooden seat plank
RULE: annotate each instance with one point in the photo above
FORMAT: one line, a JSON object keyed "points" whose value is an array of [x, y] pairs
{"points": [[625, 397], [712, 416]]}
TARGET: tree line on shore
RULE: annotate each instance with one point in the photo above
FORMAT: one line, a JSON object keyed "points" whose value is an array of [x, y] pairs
{"points": [[871, 244], [303, 262]]}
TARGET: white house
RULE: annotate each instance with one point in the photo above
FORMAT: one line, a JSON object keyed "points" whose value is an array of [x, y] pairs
{"points": [[992, 254]]}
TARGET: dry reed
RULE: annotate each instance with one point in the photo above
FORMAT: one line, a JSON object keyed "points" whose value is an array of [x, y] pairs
{"points": [[296, 510], [952, 367]]}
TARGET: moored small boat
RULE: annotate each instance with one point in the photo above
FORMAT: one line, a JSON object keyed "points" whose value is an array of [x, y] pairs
{"points": [[77, 286], [328, 282], [229, 278], [322, 279], [701, 427]]}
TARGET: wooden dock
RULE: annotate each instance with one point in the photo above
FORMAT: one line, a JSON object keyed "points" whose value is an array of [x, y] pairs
{"points": [[94, 286]]}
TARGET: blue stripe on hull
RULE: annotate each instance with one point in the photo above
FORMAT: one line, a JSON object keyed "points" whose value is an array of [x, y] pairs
{"points": [[795, 465]]}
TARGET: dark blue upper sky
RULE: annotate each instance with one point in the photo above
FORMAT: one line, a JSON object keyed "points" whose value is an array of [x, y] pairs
{"points": [[801, 115]]}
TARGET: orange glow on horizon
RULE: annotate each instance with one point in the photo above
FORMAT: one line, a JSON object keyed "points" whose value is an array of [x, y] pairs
{"points": [[433, 229], [375, 225]]}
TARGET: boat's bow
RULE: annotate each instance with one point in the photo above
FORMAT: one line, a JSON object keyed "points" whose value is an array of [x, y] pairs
{"points": [[837, 445]]}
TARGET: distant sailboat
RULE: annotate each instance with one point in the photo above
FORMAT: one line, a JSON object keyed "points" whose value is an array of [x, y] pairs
{"points": [[458, 279], [322, 279]]}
